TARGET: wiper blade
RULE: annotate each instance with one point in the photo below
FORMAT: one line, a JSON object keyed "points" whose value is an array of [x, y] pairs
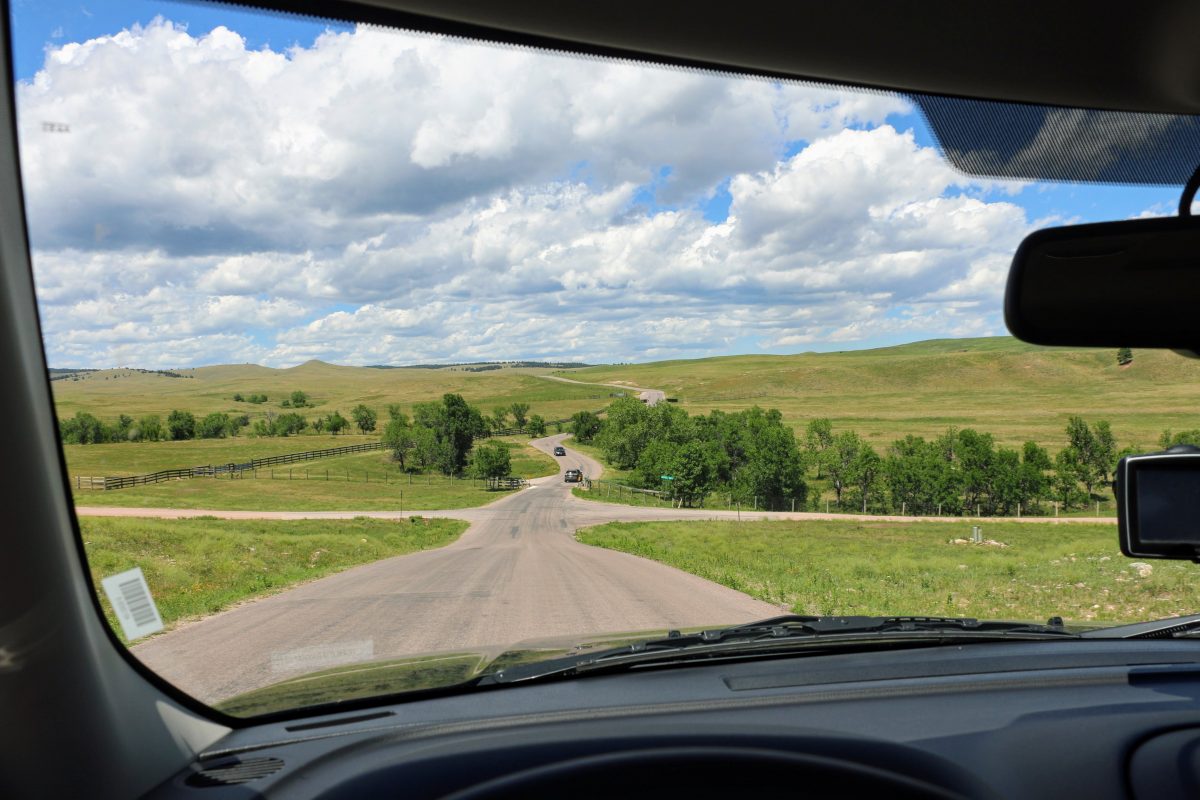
{"points": [[789, 632], [1169, 628], [792, 624]]}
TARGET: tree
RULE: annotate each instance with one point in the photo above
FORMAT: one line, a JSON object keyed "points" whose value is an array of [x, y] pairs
{"points": [[694, 470], [626, 432], [520, 412], [921, 478], [585, 425], [1124, 356], [536, 426], [319, 424], [395, 411], [82, 429], [181, 425], [364, 417], [1034, 482], [288, 424], [839, 459], [237, 397], [817, 440], [216, 425], [150, 428], [499, 417], [975, 458], [1169, 439], [1090, 451], [454, 425], [299, 399], [1106, 449], [399, 436], [759, 454], [491, 460], [336, 423], [122, 430], [1067, 478], [865, 472]]}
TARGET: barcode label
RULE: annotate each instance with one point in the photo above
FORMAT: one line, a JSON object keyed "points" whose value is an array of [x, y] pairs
{"points": [[132, 603]]}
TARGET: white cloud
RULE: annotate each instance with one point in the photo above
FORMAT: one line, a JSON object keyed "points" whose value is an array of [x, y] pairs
{"points": [[383, 198]]}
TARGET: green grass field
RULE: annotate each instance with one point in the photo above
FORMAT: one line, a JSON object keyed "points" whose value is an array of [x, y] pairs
{"points": [[330, 387], [368, 481], [999, 385], [1074, 571], [200, 566]]}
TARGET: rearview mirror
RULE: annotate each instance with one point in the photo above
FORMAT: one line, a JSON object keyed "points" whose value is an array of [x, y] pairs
{"points": [[1158, 504], [1112, 284]]}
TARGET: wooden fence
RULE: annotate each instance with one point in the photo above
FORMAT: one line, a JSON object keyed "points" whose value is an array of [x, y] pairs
{"points": [[210, 471]]}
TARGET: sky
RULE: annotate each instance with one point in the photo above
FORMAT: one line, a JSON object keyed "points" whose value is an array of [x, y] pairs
{"points": [[209, 186]]}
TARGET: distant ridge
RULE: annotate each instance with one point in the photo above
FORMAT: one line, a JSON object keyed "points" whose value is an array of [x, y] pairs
{"points": [[483, 366]]}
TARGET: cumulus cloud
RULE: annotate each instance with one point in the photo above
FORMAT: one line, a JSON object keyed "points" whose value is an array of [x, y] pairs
{"points": [[380, 197]]}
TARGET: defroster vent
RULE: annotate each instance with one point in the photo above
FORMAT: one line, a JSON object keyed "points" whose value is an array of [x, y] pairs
{"points": [[232, 771]]}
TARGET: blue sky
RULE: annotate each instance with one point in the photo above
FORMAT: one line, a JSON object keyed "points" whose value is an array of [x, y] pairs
{"points": [[547, 207]]}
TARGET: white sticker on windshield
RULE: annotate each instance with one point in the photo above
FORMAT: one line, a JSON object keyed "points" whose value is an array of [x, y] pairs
{"points": [[131, 600]]}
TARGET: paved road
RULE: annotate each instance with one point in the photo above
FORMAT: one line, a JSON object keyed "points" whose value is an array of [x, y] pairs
{"points": [[517, 574]]}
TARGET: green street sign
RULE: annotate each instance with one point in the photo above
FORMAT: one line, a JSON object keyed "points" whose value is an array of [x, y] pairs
{"points": [[667, 477]]}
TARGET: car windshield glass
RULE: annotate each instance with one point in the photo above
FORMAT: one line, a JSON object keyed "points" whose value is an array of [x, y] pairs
{"points": [[386, 360]]}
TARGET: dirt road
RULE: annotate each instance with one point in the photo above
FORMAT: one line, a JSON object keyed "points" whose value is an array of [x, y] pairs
{"points": [[650, 397]]}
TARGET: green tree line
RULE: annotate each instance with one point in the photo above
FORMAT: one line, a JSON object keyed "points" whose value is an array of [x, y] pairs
{"points": [[752, 456]]}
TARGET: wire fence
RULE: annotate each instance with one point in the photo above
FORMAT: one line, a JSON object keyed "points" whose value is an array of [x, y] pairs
{"points": [[622, 493], [232, 469], [235, 470]]}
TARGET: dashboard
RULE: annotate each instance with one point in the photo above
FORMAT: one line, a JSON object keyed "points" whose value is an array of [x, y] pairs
{"points": [[1092, 719]]}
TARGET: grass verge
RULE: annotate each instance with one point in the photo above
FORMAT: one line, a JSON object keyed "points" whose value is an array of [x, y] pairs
{"points": [[1074, 571], [201, 566]]}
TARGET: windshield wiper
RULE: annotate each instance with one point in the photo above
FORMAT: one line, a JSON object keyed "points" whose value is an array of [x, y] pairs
{"points": [[1169, 628], [789, 632]]}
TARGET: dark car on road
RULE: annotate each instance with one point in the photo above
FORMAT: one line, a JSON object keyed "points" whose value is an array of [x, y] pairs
{"points": [[572, 476], [560, 451]]}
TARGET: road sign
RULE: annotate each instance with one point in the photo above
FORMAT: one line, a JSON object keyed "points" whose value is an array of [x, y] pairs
{"points": [[667, 477]]}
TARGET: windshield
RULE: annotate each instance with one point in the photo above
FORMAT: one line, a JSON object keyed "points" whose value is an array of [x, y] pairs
{"points": [[385, 360]]}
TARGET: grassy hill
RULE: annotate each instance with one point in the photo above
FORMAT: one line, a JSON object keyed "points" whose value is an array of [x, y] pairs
{"points": [[1013, 390], [108, 393]]}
